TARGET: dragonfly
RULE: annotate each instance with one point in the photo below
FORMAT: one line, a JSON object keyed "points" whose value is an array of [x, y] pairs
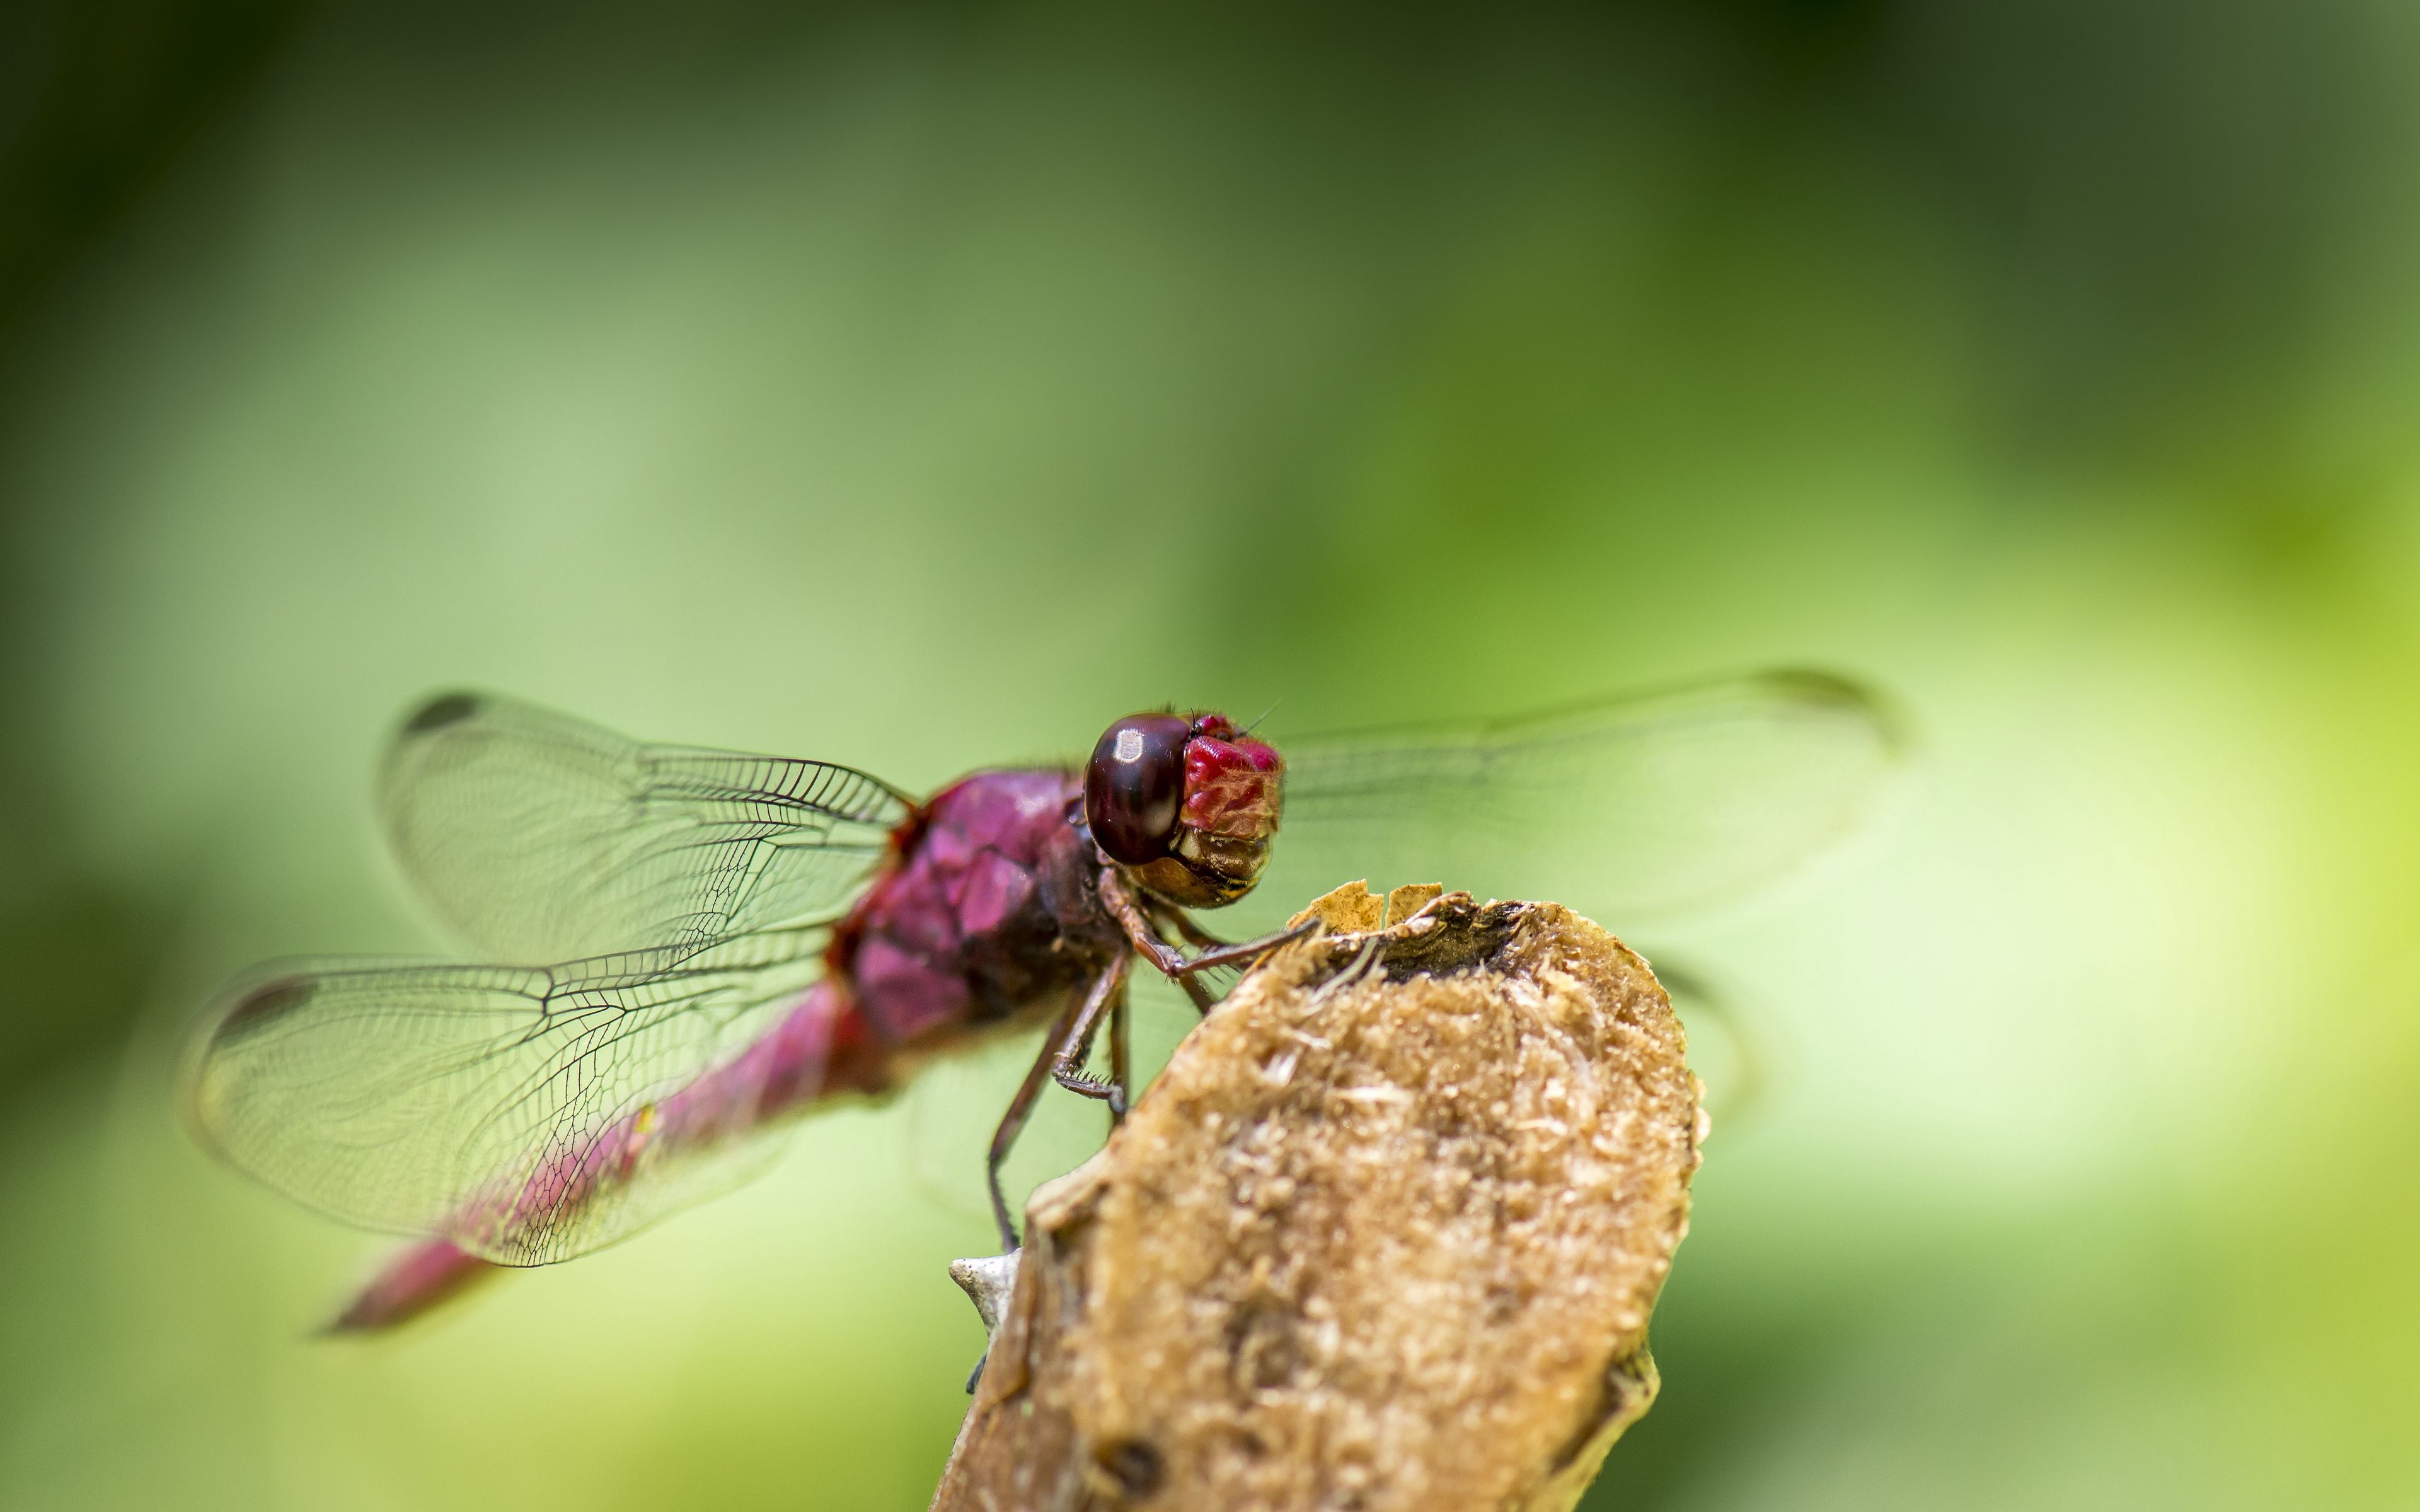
{"points": [[675, 951]]}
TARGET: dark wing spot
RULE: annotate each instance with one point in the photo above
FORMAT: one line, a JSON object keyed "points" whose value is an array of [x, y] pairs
{"points": [[1834, 694], [1135, 1466], [441, 711], [263, 1006]]}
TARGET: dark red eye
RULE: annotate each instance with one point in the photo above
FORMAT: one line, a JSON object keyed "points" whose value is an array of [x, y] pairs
{"points": [[1135, 784]]}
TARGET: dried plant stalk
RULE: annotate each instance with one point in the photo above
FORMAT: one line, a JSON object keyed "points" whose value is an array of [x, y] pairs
{"points": [[1384, 1235]]}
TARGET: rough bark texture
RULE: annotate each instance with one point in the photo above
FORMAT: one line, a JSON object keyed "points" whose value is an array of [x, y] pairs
{"points": [[1383, 1237]]}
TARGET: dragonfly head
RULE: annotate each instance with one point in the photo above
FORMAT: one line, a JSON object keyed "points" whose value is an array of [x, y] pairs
{"points": [[1187, 801]]}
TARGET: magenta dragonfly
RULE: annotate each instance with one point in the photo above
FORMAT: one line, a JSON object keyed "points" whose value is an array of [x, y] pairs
{"points": [[679, 949]]}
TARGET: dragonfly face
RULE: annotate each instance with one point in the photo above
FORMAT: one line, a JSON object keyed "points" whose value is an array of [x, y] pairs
{"points": [[675, 949], [1189, 801]]}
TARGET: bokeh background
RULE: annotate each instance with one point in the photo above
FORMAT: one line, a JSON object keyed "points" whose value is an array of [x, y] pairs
{"points": [[922, 386]]}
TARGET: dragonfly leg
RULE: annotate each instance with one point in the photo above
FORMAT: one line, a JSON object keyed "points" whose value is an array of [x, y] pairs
{"points": [[1228, 955], [1202, 1001], [1119, 1062], [1011, 1123], [1108, 996], [1169, 916], [1172, 962], [1120, 901], [1183, 922]]}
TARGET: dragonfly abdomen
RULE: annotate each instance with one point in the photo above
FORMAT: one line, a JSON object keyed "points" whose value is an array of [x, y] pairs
{"points": [[818, 1050]]}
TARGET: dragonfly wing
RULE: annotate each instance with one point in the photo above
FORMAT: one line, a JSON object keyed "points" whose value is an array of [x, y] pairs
{"points": [[528, 1114], [1646, 805], [537, 837]]}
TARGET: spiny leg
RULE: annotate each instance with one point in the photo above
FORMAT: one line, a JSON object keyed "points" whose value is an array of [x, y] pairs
{"points": [[1183, 922], [1108, 996], [1197, 994], [1166, 914], [1120, 901], [1119, 1014], [1228, 955], [1011, 1123]]}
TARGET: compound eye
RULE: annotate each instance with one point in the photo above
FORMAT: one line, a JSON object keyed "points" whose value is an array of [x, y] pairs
{"points": [[1135, 785]]}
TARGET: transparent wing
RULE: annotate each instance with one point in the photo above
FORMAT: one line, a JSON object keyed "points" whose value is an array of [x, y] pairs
{"points": [[527, 1113], [1640, 806], [537, 837]]}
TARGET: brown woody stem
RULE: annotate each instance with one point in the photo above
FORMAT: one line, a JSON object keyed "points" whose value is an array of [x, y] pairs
{"points": [[1385, 1234]]}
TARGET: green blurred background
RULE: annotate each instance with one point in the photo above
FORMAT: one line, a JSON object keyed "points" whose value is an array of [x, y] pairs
{"points": [[921, 387]]}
